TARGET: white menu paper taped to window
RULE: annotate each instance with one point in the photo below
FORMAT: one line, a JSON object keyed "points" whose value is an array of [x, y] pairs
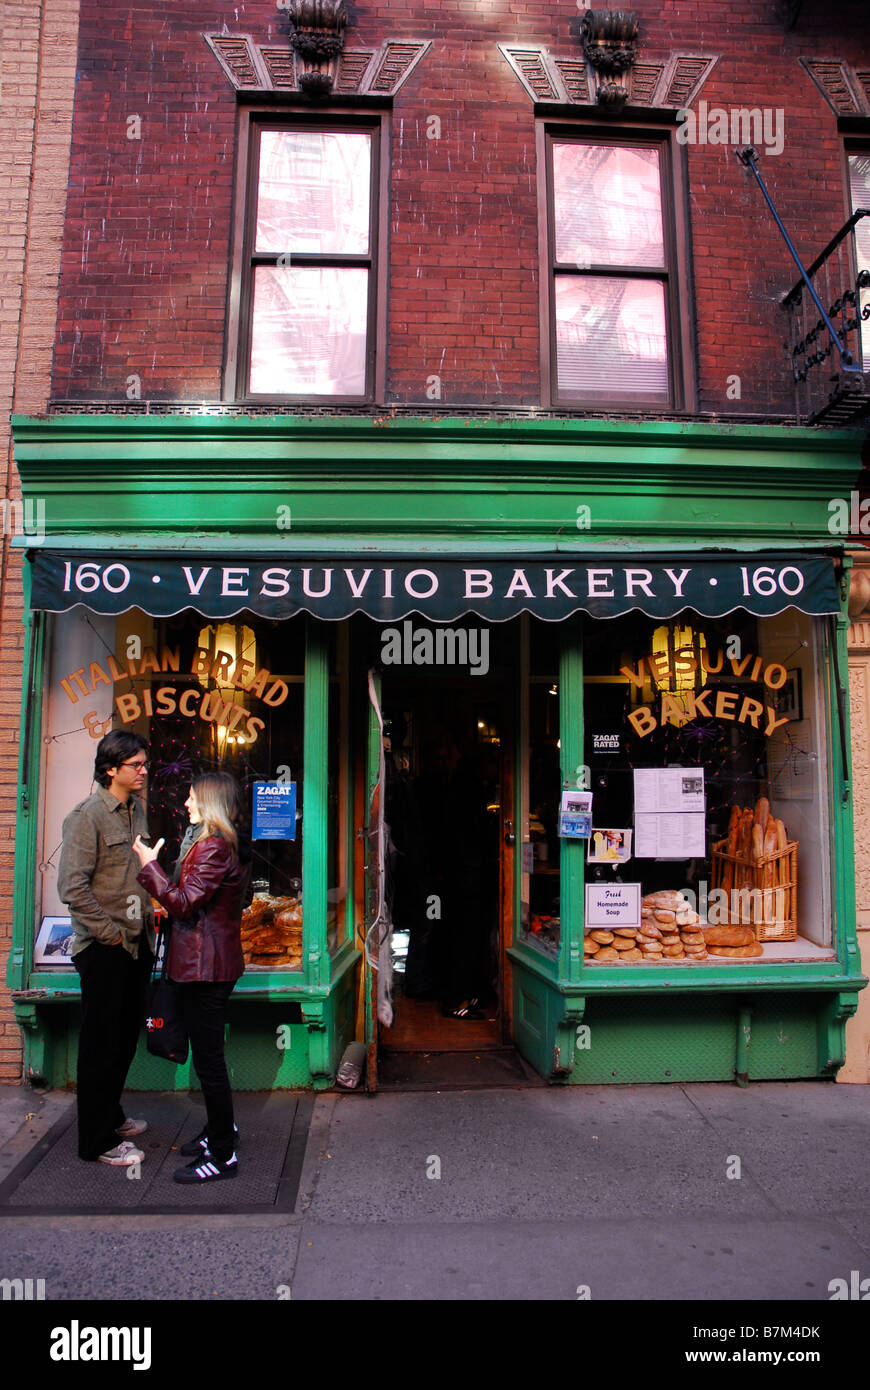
{"points": [[669, 789], [669, 836]]}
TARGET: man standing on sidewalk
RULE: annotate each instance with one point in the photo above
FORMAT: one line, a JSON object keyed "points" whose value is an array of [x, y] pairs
{"points": [[113, 921]]}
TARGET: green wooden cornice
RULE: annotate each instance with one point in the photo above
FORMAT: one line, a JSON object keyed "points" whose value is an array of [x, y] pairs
{"points": [[207, 481]]}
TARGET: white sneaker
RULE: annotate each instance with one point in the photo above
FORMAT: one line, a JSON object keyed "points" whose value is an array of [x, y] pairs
{"points": [[123, 1156], [131, 1127]]}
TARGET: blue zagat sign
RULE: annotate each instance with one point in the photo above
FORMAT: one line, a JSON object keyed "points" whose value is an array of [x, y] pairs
{"points": [[274, 815]]}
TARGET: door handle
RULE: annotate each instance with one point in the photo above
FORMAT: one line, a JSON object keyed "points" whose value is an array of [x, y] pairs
{"points": [[509, 836]]}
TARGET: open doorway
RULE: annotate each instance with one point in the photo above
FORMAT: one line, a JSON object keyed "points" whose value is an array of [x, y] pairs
{"points": [[447, 755]]}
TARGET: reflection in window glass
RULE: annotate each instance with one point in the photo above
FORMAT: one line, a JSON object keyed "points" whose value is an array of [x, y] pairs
{"points": [[540, 923], [314, 192], [859, 177], [309, 330], [608, 206], [611, 336], [207, 696], [674, 705], [337, 842]]}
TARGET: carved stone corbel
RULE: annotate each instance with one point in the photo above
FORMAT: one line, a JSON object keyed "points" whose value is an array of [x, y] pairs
{"points": [[609, 40], [317, 38]]}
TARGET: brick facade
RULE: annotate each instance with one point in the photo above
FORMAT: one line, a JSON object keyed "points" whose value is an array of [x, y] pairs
{"points": [[148, 229], [37, 71]]}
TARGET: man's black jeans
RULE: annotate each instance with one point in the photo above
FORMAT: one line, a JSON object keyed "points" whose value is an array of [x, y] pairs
{"points": [[113, 1010], [204, 1010]]}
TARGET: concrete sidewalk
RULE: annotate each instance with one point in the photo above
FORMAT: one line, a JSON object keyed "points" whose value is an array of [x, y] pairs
{"points": [[688, 1192]]}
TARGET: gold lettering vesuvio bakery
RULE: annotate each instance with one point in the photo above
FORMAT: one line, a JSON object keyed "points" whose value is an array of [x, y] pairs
{"points": [[662, 668]]}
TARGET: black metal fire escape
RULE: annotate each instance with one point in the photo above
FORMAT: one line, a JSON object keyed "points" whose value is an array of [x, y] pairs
{"points": [[829, 322]]}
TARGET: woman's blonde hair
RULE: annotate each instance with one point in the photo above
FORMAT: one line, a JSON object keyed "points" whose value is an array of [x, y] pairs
{"points": [[217, 796]]}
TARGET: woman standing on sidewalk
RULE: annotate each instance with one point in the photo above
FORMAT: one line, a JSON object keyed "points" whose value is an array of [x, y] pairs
{"points": [[205, 955]]}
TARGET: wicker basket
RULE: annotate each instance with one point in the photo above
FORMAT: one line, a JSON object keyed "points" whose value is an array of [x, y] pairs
{"points": [[766, 891]]}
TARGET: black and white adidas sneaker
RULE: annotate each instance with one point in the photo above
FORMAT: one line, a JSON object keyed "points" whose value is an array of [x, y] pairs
{"points": [[208, 1169], [199, 1146]]}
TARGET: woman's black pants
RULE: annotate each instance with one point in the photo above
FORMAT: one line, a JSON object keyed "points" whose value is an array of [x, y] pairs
{"points": [[204, 1010]]}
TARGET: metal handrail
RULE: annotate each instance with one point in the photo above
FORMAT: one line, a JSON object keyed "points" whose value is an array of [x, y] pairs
{"points": [[795, 291]]}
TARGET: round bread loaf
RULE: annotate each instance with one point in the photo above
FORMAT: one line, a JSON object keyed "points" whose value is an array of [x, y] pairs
{"points": [[590, 947], [603, 938], [666, 897], [632, 955], [673, 952], [671, 938], [663, 914], [624, 943], [606, 953], [625, 931]]}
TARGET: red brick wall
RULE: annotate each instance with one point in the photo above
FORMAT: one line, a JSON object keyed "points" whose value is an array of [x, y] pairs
{"points": [[148, 230], [37, 73]]}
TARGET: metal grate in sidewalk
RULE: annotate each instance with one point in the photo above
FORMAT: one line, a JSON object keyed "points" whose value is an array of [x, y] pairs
{"points": [[53, 1181]]}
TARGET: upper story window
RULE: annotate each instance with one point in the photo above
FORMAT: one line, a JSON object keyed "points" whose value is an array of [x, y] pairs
{"points": [[616, 327], [304, 317], [859, 187]]}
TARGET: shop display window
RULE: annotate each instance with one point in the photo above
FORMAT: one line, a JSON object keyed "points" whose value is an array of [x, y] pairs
{"points": [[705, 740], [206, 695]]}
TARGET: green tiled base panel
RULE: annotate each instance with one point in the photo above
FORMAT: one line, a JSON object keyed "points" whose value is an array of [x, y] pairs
{"points": [[693, 1039]]}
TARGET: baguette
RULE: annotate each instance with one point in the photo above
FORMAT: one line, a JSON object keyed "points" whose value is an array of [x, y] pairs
{"points": [[768, 877], [762, 812]]}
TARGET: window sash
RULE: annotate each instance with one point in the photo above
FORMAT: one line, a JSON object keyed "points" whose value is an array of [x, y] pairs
{"points": [[665, 394], [253, 260]]}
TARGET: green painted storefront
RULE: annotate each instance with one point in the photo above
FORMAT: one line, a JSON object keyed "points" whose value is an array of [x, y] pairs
{"points": [[209, 484]]}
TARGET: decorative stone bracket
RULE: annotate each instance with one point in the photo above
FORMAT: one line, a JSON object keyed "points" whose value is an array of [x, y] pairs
{"points": [[610, 47], [317, 38], [672, 81], [253, 67], [845, 89]]}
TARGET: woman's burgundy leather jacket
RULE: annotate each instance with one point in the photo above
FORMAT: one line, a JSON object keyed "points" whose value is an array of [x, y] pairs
{"points": [[206, 908]]}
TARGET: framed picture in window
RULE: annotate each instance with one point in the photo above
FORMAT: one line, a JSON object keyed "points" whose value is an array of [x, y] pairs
{"points": [[789, 699], [54, 942]]}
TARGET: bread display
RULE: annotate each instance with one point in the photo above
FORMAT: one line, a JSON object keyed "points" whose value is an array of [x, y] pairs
{"points": [[670, 930], [755, 867], [272, 932]]}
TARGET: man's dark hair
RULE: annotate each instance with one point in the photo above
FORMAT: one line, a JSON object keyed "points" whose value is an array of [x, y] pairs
{"points": [[115, 749]]}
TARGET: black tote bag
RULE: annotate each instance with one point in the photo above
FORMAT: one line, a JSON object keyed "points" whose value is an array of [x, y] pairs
{"points": [[167, 1035]]}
